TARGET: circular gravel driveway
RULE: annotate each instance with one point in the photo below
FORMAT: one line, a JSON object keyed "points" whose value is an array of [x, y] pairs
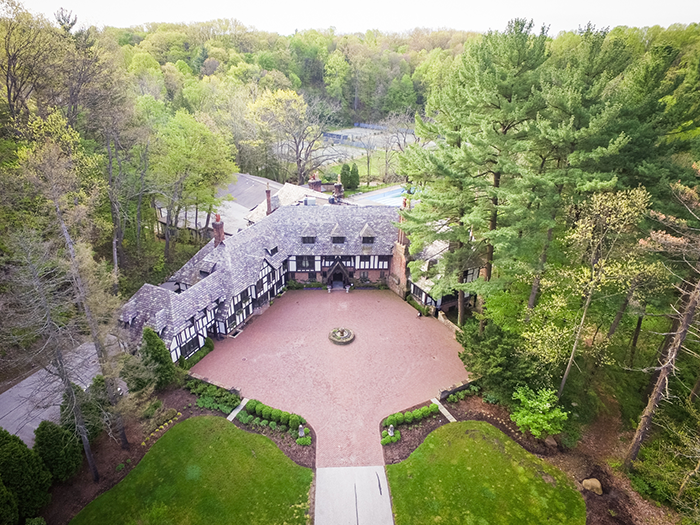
{"points": [[284, 359]]}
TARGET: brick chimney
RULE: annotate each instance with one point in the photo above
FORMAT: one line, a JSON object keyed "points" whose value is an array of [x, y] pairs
{"points": [[218, 226], [402, 240], [338, 191], [269, 201]]}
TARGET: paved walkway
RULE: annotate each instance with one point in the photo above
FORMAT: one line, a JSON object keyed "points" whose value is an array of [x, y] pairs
{"points": [[352, 496], [284, 359]]}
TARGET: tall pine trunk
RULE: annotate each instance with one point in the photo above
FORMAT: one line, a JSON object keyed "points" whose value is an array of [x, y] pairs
{"points": [[635, 338], [92, 322], [144, 167], [535, 290], [662, 380], [621, 310]]}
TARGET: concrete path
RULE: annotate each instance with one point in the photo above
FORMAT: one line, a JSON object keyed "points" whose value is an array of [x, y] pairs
{"points": [[236, 410], [352, 496], [443, 410]]}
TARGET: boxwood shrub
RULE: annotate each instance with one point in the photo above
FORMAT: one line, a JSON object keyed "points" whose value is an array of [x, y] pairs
{"points": [[275, 414], [305, 441], [408, 417], [434, 409], [417, 415], [399, 418], [284, 418], [250, 406], [294, 422], [259, 408], [266, 413]]}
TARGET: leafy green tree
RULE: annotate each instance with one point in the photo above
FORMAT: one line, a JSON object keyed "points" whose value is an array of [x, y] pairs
{"points": [[605, 228], [24, 475], [401, 96], [480, 128], [59, 450], [190, 160], [496, 357], [538, 412], [92, 411], [8, 506], [154, 352]]}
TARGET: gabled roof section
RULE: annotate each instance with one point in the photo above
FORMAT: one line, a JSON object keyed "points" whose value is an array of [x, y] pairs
{"points": [[288, 195], [337, 231], [367, 231]]}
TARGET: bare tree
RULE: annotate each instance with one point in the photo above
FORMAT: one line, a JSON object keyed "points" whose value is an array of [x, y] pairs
{"points": [[297, 128], [51, 169], [686, 243], [41, 320], [369, 144]]}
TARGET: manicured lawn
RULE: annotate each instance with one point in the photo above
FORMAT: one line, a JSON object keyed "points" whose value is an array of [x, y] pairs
{"points": [[470, 473], [205, 470]]}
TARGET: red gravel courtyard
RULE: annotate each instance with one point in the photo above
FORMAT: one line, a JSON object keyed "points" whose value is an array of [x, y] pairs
{"points": [[284, 359]]}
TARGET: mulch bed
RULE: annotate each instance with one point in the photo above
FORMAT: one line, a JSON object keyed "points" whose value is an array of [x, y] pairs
{"points": [[612, 508], [468, 409], [411, 436], [304, 456], [69, 498]]}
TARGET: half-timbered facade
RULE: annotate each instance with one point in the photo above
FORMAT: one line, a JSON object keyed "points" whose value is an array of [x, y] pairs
{"points": [[217, 290]]}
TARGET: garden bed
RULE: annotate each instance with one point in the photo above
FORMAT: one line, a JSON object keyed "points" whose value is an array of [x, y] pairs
{"points": [[304, 456], [411, 436]]}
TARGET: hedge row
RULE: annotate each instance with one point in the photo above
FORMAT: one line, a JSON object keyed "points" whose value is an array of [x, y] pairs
{"points": [[410, 417], [256, 413]]}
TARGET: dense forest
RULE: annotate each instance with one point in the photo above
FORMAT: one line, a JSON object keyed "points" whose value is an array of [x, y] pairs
{"points": [[564, 166]]}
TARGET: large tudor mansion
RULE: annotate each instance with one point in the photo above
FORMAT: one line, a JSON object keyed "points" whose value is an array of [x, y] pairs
{"points": [[217, 290]]}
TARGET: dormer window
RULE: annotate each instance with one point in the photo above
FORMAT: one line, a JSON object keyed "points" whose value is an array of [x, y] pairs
{"points": [[338, 240], [367, 240], [272, 251], [308, 240]]}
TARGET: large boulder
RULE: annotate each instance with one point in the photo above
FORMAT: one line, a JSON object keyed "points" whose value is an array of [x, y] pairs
{"points": [[593, 485]]}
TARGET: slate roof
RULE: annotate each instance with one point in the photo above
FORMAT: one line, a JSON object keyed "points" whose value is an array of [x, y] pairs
{"points": [[235, 264], [287, 195]]}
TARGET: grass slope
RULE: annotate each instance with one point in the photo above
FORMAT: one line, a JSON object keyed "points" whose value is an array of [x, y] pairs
{"points": [[206, 471], [470, 473]]}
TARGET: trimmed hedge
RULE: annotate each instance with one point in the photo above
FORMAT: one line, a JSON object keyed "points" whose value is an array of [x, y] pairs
{"points": [[24, 475], [59, 450]]}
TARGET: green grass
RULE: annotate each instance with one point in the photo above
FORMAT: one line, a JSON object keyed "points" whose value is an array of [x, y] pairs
{"points": [[470, 473], [206, 471]]}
